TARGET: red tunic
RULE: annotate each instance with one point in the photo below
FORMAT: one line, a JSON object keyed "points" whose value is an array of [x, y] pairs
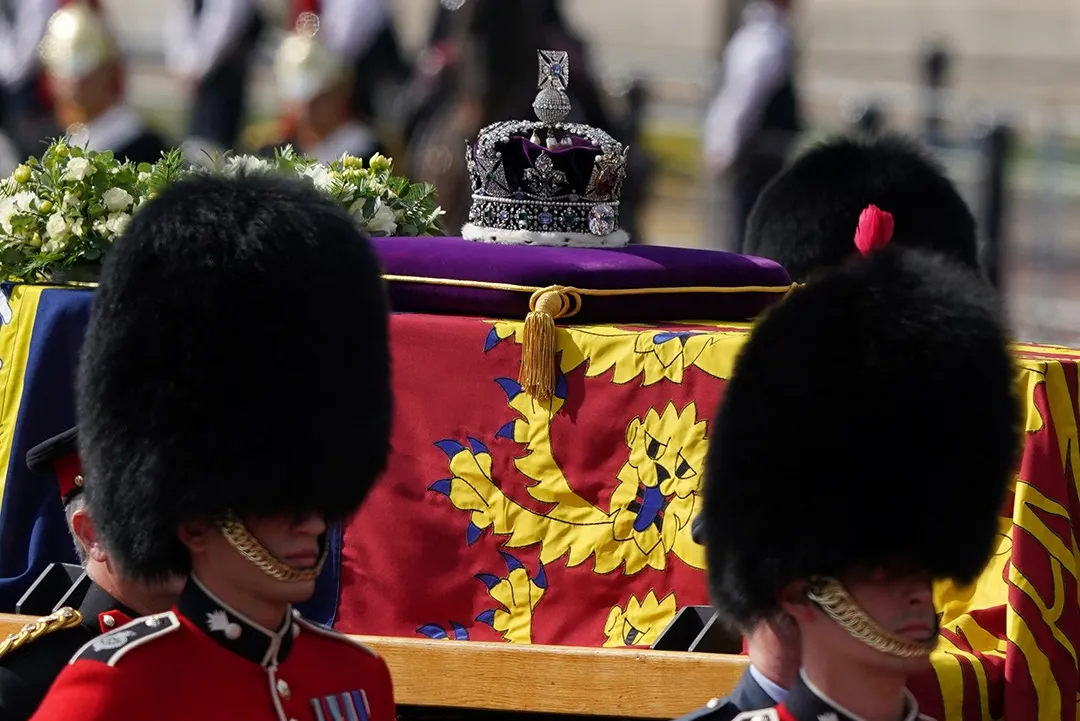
{"points": [[204, 661]]}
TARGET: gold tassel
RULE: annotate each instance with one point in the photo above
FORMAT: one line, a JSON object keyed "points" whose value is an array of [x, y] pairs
{"points": [[538, 343]]}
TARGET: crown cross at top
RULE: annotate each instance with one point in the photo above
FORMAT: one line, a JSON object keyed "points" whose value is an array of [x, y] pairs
{"points": [[551, 104], [554, 69]]}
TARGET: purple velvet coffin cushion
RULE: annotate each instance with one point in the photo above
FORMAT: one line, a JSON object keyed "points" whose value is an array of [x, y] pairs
{"points": [[730, 287]]}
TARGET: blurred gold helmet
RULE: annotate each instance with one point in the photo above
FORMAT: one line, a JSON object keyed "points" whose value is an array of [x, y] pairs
{"points": [[305, 67], [76, 42]]}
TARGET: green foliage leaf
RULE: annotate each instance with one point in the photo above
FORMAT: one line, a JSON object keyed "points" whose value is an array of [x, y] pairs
{"points": [[54, 216]]}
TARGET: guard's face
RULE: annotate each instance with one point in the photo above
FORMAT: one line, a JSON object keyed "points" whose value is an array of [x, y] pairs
{"points": [[292, 542], [902, 603]]}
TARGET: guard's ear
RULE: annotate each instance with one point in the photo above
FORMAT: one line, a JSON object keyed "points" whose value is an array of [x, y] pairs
{"points": [[195, 535], [795, 603], [82, 528]]}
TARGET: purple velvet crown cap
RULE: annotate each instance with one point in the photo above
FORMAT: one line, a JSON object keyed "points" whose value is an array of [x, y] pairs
{"points": [[546, 182], [749, 285]]}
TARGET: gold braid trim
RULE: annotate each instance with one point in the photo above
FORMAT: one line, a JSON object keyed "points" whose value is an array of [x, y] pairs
{"points": [[834, 601], [595, 292], [549, 304], [65, 618], [514, 288], [240, 538]]}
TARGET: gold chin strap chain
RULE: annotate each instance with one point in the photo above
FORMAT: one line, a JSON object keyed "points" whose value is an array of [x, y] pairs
{"points": [[66, 617], [240, 538], [835, 602]]}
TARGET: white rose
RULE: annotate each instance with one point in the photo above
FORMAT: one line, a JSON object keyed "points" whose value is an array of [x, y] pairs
{"points": [[246, 165], [13, 205], [71, 200], [117, 199], [118, 223], [8, 210], [78, 228], [57, 227], [79, 169], [320, 176], [382, 222], [55, 245], [24, 201]]}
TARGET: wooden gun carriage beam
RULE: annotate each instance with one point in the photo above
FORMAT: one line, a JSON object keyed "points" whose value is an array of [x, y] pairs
{"points": [[474, 676]]}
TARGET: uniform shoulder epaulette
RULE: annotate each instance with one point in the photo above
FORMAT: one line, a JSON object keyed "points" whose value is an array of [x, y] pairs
{"points": [[110, 647], [717, 709], [60, 620], [330, 633], [764, 714]]}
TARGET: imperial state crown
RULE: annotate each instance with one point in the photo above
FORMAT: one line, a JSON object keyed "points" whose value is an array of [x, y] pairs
{"points": [[546, 182]]}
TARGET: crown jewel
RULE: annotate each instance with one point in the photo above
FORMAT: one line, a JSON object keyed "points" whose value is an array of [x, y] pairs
{"points": [[546, 182]]}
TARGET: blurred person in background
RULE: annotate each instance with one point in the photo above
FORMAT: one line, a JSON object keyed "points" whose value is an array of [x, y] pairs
{"points": [[86, 76], [24, 101], [317, 86], [362, 33], [210, 44], [755, 117]]}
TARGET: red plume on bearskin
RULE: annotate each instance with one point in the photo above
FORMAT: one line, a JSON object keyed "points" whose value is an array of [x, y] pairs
{"points": [[875, 229]]}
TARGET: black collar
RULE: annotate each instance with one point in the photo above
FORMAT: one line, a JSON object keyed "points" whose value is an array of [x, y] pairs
{"points": [[806, 702], [97, 602], [232, 630]]}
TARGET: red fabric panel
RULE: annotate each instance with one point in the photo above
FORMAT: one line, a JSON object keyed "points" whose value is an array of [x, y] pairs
{"points": [[408, 567]]}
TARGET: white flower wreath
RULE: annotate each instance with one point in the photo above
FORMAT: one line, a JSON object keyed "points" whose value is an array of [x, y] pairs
{"points": [[68, 207]]}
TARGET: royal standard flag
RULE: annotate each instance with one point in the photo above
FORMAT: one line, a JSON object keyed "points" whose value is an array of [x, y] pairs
{"points": [[568, 522]]}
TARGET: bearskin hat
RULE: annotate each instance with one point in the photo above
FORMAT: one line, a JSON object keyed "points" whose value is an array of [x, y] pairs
{"points": [[236, 359], [805, 218], [871, 421]]}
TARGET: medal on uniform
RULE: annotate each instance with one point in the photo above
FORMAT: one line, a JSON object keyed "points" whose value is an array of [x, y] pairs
{"points": [[347, 706]]}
